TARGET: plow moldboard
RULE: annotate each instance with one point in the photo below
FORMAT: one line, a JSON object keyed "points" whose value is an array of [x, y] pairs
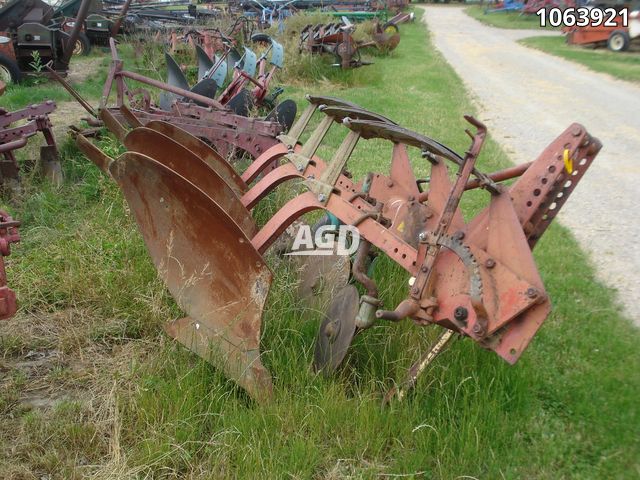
{"points": [[208, 265], [185, 163]]}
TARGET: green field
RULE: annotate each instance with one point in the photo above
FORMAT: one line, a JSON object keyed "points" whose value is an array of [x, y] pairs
{"points": [[504, 19], [622, 65], [123, 401]]}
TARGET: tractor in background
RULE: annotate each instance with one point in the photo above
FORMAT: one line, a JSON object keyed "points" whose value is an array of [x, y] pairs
{"points": [[30, 38]]}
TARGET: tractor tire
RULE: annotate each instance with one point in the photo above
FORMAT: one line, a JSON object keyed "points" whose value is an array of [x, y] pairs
{"points": [[82, 46], [9, 70], [390, 28], [618, 41], [260, 37]]}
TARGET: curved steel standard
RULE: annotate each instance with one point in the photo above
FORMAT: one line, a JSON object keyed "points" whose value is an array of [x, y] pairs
{"points": [[476, 278]]}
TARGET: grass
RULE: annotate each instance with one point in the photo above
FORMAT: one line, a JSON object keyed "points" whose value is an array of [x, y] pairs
{"points": [[625, 65], [33, 91], [513, 20], [133, 404]]}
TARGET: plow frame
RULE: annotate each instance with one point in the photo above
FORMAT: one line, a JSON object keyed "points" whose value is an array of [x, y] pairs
{"points": [[506, 303], [477, 278], [32, 119]]}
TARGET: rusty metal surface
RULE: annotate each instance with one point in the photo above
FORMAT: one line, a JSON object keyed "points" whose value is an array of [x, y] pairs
{"points": [[93, 153], [184, 162], [477, 278], [203, 151], [224, 138], [222, 291], [16, 128], [8, 234]]}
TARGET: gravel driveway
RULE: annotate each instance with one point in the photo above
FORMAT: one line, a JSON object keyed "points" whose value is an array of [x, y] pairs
{"points": [[527, 97]]}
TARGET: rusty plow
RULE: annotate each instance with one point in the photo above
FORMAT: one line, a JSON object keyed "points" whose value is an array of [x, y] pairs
{"points": [[475, 278]]}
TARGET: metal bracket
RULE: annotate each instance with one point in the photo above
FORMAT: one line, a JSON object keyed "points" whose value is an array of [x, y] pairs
{"points": [[323, 187], [293, 136]]}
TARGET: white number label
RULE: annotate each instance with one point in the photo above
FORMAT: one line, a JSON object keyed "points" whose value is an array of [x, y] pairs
{"points": [[583, 16]]}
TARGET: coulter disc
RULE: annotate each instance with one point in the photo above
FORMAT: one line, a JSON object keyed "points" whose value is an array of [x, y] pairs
{"points": [[321, 277], [336, 330]]}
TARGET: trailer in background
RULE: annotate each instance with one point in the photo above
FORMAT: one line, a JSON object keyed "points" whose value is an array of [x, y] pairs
{"points": [[617, 38]]}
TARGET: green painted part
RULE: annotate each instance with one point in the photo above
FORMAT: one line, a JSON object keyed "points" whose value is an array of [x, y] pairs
{"points": [[68, 9], [333, 220], [360, 16]]}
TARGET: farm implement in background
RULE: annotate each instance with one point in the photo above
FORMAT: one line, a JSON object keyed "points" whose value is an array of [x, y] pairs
{"points": [[30, 38], [337, 39], [401, 17], [8, 234], [617, 35], [529, 7], [12, 139], [475, 278], [15, 130], [248, 69], [98, 26], [200, 115], [506, 6], [214, 40]]}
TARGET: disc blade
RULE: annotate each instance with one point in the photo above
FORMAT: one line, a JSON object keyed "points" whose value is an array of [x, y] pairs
{"points": [[321, 276], [242, 103], [284, 113], [206, 87], [222, 284], [336, 330]]}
